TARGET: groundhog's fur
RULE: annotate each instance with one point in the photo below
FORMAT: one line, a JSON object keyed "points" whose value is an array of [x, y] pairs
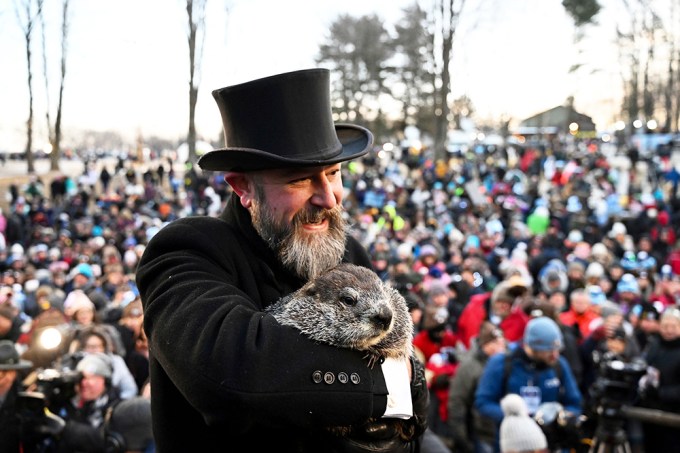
{"points": [[350, 307]]}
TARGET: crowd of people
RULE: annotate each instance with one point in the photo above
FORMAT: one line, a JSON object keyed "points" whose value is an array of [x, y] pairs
{"points": [[530, 252]]}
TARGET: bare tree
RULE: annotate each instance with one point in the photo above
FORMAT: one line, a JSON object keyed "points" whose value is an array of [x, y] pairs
{"points": [[447, 13], [54, 133], [671, 95], [196, 38], [28, 13], [56, 140]]}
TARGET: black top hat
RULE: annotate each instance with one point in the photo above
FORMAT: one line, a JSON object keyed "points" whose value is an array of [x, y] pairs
{"points": [[9, 357], [283, 121]]}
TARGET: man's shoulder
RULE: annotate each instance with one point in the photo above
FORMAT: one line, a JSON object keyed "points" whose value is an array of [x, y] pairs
{"points": [[498, 360], [197, 223]]}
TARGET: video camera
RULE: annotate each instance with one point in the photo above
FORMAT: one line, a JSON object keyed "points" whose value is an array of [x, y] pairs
{"points": [[51, 390], [57, 386], [617, 381], [39, 427]]}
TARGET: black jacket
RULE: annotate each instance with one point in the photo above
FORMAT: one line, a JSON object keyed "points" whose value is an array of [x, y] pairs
{"points": [[665, 356], [10, 424], [225, 373]]}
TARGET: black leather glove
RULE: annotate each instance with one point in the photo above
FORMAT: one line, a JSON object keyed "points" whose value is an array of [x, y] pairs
{"points": [[420, 396], [390, 434]]}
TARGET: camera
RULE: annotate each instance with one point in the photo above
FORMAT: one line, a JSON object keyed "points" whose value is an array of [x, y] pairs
{"points": [[617, 381], [57, 386]]}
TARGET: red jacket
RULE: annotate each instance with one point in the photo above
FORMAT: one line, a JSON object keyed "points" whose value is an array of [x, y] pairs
{"points": [[475, 313], [437, 367], [583, 320], [424, 343]]}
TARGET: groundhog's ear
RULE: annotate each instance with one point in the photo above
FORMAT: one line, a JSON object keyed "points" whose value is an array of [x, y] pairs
{"points": [[312, 289]]}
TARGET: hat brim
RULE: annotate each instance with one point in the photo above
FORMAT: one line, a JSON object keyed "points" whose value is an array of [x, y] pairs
{"points": [[20, 366], [355, 141]]}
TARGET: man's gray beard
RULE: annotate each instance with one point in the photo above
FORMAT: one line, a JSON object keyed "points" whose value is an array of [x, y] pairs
{"points": [[305, 254]]}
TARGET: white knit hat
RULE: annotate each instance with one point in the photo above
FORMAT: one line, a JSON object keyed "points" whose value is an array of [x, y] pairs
{"points": [[519, 432]]}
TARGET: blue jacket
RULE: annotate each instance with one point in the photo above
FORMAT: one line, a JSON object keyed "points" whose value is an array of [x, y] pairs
{"points": [[523, 372]]}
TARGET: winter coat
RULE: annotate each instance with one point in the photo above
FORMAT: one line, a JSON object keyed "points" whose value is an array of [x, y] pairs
{"points": [[524, 372], [85, 423], [477, 311], [224, 373], [466, 424], [10, 424], [582, 320], [665, 356]]}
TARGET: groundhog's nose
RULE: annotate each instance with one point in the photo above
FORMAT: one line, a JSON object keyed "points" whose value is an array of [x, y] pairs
{"points": [[383, 318]]}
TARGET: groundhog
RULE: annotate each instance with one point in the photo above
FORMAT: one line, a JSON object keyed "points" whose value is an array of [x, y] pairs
{"points": [[350, 307]]}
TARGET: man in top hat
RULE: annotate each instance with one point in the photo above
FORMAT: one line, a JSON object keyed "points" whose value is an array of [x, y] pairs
{"points": [[10, 385], [223, 372]]}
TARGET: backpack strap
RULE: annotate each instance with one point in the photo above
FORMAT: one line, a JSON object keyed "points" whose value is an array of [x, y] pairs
{"points": [[507, 365]]}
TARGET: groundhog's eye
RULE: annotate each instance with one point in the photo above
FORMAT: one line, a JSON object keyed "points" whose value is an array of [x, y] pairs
{"points": [[348, 300]]}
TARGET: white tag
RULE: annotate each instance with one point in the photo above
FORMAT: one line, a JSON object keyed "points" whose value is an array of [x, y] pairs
{"points": [[532, 397], [399, 404]]}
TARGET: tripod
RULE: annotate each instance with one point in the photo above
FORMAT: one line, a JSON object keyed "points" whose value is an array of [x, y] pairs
{"points": [[610, 436]]}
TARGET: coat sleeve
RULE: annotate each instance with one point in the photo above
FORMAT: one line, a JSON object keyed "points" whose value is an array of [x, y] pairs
{"points": [[461, 399], [203, 291], [571, 400], [489, 391]]}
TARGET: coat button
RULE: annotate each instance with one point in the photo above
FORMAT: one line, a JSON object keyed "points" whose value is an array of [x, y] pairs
{"points": [[329, 378], [343, 378], [354, 377], [317, 377]]}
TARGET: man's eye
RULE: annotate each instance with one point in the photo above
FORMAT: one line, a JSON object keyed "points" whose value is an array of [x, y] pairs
{"points": [[299, 180]]}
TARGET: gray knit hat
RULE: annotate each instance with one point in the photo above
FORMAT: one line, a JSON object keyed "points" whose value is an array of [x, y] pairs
{"points": [[519, 432], [95, 363]]}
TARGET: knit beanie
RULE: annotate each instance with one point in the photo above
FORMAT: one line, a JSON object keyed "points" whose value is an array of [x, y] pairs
{"points": [[519, 432], [543, 334], [97, 364]]}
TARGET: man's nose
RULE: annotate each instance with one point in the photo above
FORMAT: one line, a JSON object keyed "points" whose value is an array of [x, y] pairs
{"points": [[324, 196]]}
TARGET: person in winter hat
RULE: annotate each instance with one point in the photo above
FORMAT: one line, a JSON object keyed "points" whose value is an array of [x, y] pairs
{"points": [[535, 369], [519, 432]]}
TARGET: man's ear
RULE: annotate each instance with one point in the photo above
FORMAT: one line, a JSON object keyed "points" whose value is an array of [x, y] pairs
{"points": [[242, 185]]}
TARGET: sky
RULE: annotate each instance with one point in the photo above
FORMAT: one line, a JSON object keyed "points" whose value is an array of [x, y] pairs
{"points": [[127, 60]]}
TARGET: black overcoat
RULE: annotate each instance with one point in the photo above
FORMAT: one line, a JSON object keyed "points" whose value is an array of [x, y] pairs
{"points": [[223, 372]]}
